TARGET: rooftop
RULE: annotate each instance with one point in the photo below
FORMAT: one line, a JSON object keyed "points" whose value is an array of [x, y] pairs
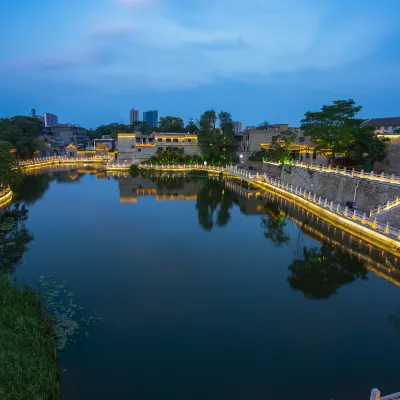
{"points": [[375, 122]]}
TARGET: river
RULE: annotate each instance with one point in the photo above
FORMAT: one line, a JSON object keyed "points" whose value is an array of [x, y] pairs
{"points": [[200, 289]]}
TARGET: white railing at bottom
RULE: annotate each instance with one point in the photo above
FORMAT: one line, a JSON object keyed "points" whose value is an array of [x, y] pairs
{"points": [[376, 395]]}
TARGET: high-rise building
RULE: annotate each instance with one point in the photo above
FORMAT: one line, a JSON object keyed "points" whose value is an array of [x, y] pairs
{"points": [[237, 126], [134, 116], [151, 117], [50, 119]]}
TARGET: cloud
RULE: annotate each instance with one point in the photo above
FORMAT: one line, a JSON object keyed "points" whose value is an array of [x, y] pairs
{"points": [[172, 44]]}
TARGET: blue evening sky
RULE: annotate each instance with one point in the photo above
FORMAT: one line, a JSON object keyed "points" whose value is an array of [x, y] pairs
{"points": [[90, 61]]}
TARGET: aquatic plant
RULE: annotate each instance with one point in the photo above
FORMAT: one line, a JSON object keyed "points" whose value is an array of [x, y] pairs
{"points": [[63, 312]]}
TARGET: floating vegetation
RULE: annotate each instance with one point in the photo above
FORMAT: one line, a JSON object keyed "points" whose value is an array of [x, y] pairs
{"points": [[64, 313]]}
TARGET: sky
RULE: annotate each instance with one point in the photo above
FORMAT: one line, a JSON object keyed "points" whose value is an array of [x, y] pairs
{"points": [[91, 61]]}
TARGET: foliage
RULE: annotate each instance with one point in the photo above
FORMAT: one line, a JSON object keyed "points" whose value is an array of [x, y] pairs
{"points": [[7, 164], [22, 133], [258, 155], [279, 150], [321, 272], [263, 124], [217, 144], [213, 204], [335, 130], [14, 237], [170, 124], [198, 173], [191, 127], [109, 130], [365, 146], [170, 156], [27, 353], [134, 171]]}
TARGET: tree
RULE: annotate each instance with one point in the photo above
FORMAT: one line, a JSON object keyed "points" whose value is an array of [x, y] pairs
{"points": [[321, 272], [170, 124], [263, 124], [331, 128], [22, 133], [365, 146], [279, 151], [217, 144], [191, 127], [7, 164]]}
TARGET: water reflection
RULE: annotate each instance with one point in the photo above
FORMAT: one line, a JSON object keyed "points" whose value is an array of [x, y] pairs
{"points": [[274, 223], [14, 237], [214, 203], [320, 272], [317, 272]]}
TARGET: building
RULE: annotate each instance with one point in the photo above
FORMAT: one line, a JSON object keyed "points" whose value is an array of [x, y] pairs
{"points": [[259, 138], [134, 116], [237, 127], [389, 130], [108, 141], [384, 126], [151, 117], [50, 120], [138, 147], [69, 133]]}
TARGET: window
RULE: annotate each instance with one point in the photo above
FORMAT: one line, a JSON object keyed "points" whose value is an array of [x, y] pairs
{"points": [[314, 156], [133, 146], [160, 140], [189, 140], [139, 150], [138, 140], [151, 140], [175, 140], [302, 139], [168, 140]]}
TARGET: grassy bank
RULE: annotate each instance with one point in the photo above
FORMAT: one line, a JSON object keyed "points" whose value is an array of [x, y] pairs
{"points": [[27, 352]]}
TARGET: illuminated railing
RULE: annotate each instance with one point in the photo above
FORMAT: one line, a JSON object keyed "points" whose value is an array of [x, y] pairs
{"points": [[5, 196], [387, 207], [376, 395], [393, 179], [38, 162]]}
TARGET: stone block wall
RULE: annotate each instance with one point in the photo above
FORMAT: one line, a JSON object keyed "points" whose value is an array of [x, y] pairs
{"points": [[339, 188]]}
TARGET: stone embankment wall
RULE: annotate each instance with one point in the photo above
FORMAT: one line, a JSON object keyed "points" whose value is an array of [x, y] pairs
{"points": [[391, 164], [339, 188]]}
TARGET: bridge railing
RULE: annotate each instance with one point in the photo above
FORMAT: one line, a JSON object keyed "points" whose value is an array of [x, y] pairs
{"points": [[376, 395], [387, 207], [351, 172], [39, 161]]}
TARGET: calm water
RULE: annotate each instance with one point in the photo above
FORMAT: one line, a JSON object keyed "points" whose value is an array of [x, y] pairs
{"points": [[207, 294]]}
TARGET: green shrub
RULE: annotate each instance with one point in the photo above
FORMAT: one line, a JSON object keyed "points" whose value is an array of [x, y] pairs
{"points": [[27, 352]]}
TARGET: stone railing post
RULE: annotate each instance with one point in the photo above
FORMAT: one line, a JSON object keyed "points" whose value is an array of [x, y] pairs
{"points": [[338, 209], [355, 215], [326, 203], [331, 207], [375, 223], [387, 228], [319, 200], [375, 394]]}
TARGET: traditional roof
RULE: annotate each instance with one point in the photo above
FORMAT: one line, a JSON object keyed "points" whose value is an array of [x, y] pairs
{"points": [[72, 145], [375, 122]]}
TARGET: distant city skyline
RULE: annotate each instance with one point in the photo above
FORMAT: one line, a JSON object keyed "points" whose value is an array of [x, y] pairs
{"points": [[50, 120], [151, 117], [134, 115]]}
